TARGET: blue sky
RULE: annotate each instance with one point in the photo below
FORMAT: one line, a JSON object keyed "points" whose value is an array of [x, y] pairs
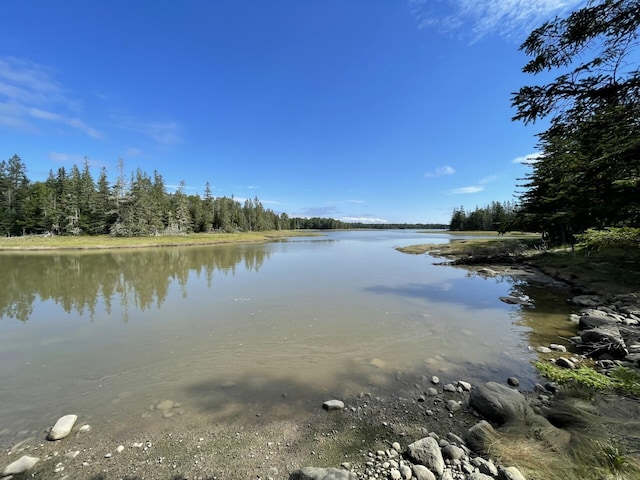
{"points": [[369, 110]]}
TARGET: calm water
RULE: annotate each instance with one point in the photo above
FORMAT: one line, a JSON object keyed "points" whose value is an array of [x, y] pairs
{"points": [[227, 330]]}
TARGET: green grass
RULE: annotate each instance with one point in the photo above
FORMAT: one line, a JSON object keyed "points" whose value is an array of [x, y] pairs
{"points": [[104, 241], [621, 380]]}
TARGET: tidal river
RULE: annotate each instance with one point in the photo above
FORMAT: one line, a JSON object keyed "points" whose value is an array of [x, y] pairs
{"points": [[236, 329]]}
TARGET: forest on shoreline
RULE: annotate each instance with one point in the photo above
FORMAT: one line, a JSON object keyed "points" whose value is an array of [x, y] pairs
{"points": [[71, 202]]}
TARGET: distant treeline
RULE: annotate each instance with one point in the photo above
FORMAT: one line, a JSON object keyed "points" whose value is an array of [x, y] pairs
{"points": [[71, 202], [494, 216]]}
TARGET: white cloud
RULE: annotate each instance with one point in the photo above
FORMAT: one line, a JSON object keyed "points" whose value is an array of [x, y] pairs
{"points": [[60, 157], [488, 179], [440, 171], [164, 133], [371, 220], [30, 96], [475, 19], [133, 152], [465, 190], [529, 159]]}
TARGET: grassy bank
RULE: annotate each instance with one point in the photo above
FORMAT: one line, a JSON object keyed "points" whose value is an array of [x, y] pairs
{"points": [[105, 241], [607, 271]]}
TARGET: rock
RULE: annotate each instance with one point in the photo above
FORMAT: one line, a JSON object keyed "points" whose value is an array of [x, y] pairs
{"points": [[452, 452], [466, 386], [488, 468], [453, 406], [62, 428], [499, 403], [435, 380], [422, 473], [431, 392], [427, 452], [587, 322], [487, 272], [513, 381], [314, 473], [395, 474], [608, 338], [449, 387], [405, 471], [558, 348], [165, 405], [565, 363], [587, 300], [516, 301], [510, 473], [22, 465], [333, 405], [481, 436], [542, 349], [479, 476], [452, 437], [396, 446]]}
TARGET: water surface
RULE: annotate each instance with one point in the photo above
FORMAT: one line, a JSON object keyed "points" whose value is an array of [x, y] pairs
{"points": [[235, 329]]}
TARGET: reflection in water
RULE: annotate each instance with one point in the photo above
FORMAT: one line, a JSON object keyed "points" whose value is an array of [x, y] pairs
{"points": [[236, 328], [141, 278]]}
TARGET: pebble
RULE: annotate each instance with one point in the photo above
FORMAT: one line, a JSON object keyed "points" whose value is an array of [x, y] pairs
{"points": [[333, 405], [435, 380], [466, 386], [120, 448], [449, 387], [513, 381]]}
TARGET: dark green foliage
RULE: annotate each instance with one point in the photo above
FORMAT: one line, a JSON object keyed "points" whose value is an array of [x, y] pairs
{"points": [[72, 203], [489, 218], [588, 175]]}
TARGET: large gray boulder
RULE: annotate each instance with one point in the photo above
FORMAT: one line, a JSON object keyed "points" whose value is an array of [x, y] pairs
{"points": [[426, 451], [314, 473], [499, 403]]}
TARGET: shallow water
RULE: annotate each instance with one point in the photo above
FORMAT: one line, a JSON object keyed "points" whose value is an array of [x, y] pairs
{"points": [[231, 329]]}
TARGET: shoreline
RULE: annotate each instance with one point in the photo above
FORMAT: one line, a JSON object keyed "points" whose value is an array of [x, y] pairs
{"points": [[90, 243]]}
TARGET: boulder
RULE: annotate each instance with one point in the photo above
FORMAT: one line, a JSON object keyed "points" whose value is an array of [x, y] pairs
{"points": [[606, 338], [314, 473], [499, 403], [481, 436], [427, 452]]}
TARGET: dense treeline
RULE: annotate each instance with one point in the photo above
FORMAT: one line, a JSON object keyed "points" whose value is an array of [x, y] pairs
{"points": [[71, 202], [588, 173], [491, 217]]}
